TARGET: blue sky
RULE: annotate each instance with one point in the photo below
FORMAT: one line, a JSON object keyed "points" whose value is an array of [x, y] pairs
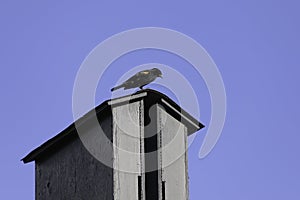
{"points": [[255, 45]]}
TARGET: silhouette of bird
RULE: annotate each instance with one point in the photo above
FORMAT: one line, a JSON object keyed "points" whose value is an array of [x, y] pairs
{"points": [[140, 79]]}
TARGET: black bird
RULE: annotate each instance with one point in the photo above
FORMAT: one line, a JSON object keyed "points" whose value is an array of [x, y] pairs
{"points": [[140, 79]]}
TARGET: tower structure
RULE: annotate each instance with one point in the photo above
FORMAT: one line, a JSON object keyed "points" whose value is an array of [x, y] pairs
{"points": [[136, 150]]}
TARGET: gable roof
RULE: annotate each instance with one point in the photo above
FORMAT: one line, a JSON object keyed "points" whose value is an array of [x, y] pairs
{"points": [[151, 97]]}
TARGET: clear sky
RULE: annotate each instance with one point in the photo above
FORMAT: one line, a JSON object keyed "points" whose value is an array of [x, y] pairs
{"points": [[255, 45]]}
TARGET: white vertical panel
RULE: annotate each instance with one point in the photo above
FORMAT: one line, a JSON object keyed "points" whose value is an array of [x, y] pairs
{"points": [[173, 161], [127, 133]]}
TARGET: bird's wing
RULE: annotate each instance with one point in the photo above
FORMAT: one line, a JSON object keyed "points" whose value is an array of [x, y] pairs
{"points": [[145, 72], [142, 75]]}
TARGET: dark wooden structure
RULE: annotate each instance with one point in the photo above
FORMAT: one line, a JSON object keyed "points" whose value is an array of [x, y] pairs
{"points": [[147, 124]]}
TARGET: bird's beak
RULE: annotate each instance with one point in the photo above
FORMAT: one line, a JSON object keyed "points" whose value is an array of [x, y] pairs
{"points": [[160, 76]]}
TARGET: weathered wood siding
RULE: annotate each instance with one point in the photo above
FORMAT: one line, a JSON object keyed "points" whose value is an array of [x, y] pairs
{"points": [[147, 153], [128, 145], [73, 173], [172, 141]]}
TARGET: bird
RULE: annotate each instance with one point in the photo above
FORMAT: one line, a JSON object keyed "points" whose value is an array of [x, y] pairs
{"points": [[140, 79]]}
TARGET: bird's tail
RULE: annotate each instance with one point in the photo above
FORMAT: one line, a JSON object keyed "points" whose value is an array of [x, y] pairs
{"points": [[117, 87]]}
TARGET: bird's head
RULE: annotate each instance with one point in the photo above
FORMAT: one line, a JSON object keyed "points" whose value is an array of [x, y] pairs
{"points": [[157, 72]]}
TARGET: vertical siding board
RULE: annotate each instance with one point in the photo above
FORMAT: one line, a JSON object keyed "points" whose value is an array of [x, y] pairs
{"points": [[159, 144], [126, 138], [186, 163], [173, 156], [142, 149]]}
